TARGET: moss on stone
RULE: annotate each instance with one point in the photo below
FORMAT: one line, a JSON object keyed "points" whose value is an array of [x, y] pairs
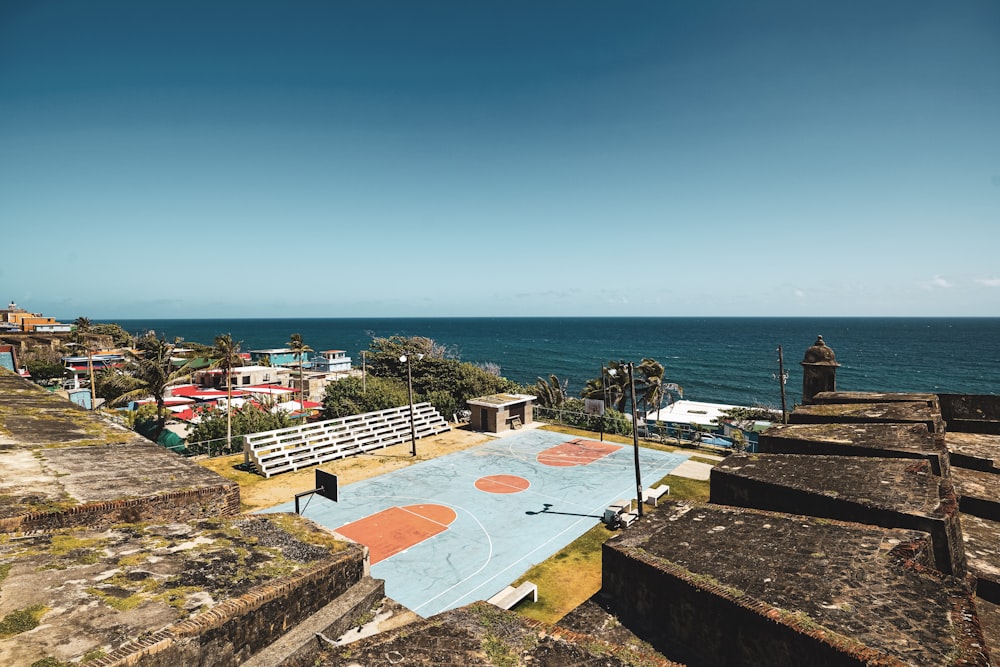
{"points": [[21, 620]]}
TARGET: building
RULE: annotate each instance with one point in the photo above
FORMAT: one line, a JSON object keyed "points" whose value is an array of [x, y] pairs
{"points": [[330, 361], [15, 318], [501, 412], [244, 376], [277, 356]]}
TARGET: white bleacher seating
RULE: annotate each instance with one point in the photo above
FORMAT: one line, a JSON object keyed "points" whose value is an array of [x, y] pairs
{"points": [[295, 447]]}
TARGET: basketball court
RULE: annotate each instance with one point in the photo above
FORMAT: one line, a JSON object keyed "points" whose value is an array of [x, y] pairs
{"points": [[458, 528]]}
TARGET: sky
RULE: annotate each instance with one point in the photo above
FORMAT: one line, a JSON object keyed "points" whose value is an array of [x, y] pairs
{"points": [[371, 158]]}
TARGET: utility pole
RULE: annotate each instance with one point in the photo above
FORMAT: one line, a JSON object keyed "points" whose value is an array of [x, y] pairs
{"points": [[782, 379], [364, 373]]}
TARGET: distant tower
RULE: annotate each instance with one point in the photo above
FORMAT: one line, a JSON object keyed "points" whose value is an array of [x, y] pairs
{"points": [[819, 371]]}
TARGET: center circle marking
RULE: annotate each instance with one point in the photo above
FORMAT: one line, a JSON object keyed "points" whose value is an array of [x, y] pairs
{"points": [[502, 484]]}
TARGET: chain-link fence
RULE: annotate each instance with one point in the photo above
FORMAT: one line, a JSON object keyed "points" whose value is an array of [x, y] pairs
{"points": [[617, 424], [214, 447]]}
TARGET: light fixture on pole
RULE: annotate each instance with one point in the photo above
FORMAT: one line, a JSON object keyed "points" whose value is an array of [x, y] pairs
{"points": [[630, 368], [409, 389]]}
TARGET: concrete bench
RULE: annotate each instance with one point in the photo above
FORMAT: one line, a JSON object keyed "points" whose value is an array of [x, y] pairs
{"points": [[627, 519], [510, 596], [651, 496], [614, 511]]}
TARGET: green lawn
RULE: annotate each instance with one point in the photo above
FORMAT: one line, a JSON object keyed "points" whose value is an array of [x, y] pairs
{"points": [[573, 575]]}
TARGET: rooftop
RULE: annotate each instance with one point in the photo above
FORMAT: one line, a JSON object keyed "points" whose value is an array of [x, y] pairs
{"points": [[500, 400]]}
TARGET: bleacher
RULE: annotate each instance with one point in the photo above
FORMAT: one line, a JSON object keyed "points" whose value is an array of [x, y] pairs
{"points": [[287, 449]]}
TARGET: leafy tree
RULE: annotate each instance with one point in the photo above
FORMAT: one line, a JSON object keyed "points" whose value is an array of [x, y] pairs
{"points": [[300, 349], [384, 353], [249, 418], [119, 337], [141, 418], [572, 413], [444, 382], [348, 397], [42, 370], [147, 374], [751, 414], [81, 327]]}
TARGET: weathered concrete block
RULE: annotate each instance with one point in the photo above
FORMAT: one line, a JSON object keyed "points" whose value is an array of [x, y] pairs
{"points": [[892, 493], [975, 451], [716, 585], [971, 413], [908, 441], [908, 412]]}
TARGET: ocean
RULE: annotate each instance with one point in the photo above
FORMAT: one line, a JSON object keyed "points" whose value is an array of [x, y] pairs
{"points": [[715, 359]]}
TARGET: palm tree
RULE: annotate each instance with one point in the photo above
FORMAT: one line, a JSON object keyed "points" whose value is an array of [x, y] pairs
{"points": [[81, 328], [551, 393], [651, 383], [147, 374], [225, 354], [299, 348], [611, 387]]}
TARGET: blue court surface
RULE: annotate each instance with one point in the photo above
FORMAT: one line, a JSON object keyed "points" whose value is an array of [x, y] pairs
{"points": [[495, 536]]}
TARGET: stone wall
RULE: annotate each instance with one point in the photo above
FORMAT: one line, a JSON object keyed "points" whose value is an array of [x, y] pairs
{"points": [[674, 612], [879, 440], [234, 630], [217, 501], [967, 413], [729, 488]]}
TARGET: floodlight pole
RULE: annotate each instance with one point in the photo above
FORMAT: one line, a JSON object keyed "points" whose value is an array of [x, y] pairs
{"points": [[409, 390], [635, 438], [604, 387]]}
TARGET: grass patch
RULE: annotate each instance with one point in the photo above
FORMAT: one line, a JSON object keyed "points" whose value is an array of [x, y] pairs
{"points": [[229, 467], [699, 459], [121, 604], [566, 579], [682, 488], [302, 531], [572, 575], [21, 620], [94, 654]]}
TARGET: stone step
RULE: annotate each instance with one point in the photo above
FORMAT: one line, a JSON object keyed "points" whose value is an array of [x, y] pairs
{"points": [[300, 645]]}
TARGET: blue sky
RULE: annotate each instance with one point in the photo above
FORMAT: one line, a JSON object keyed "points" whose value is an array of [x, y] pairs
{"points": [[325, 159]]}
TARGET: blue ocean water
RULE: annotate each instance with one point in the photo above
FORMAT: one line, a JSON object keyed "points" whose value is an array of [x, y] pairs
{"points": [[715, 359]]}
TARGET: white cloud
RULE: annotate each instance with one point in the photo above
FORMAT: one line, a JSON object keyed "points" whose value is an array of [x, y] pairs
{"points": [[938, 282], [989, 282], [799, 294]]}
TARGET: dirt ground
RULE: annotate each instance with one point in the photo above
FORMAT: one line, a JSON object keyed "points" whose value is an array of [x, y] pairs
{"points": [[257, 493]]}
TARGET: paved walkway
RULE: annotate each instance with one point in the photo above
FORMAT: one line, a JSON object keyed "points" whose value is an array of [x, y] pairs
{"points": [[693, 470]]}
